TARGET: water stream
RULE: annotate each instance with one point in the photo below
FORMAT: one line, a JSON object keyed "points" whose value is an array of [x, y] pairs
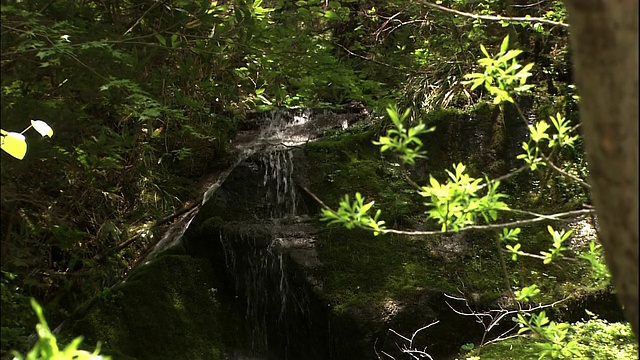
{"points": [[264, 236]]}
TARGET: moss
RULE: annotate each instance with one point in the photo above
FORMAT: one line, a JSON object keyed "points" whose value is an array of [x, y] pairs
{"points": [[361, 269], [172, 298], [363, 274], [351, 164]]}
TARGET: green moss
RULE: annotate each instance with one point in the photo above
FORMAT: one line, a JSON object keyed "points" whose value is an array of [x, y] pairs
{"points": [[363, 270], [353, 164], [361, 273], [173, 298]]}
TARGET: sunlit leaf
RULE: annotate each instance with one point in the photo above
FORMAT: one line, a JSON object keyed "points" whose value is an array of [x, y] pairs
{"points": [[42, 127], [505, 44], [14, 144], [331, 15]]}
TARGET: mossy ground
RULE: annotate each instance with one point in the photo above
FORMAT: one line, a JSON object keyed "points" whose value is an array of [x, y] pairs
{"points": [[169, 309]]}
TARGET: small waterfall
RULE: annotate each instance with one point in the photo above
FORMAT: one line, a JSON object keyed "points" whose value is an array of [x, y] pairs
{"points": [[252, 230], [278, 178], [277, 303]]}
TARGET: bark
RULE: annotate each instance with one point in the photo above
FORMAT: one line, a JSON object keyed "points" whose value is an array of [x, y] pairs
{"points": [[604, 41]]}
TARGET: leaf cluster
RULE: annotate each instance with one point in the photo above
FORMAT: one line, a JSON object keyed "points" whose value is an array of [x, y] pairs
{"points": [[502, 75], [403, 140], [458, 203], [47, 348], [354, 214]]}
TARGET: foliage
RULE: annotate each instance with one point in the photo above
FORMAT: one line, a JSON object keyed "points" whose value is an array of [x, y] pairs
{"points": [[354, 214], [46, 347], [16, 309], [455, 204], [554, 334], [539, 136], [591, 339], [402, 139], [502, 74], [145, 97]]}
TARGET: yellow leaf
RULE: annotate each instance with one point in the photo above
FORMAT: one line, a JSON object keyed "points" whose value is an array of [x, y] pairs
{"points": [[14, 144]]}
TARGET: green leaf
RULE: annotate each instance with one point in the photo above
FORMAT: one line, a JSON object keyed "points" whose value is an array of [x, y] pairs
{"points": [[484, 51], [331, 15], [161, 39], [505, 44], [508, 56]]}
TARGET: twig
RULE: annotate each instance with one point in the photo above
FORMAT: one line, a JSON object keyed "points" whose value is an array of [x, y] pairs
{"points": [[141, 17], [496, 18], [554, 217], [531, 213], [564, 173], [504, 177], [496, 315], [378, 62], [409, 349], [535, 256]]}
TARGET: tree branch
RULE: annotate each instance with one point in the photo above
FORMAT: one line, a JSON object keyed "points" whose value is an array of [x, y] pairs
{"points": [[554, 217], [376, 61], [564, 173], [537, 219], [495, 18]]}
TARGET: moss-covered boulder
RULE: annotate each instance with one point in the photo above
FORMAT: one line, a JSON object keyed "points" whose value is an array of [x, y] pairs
{"points": [[169, 309]]}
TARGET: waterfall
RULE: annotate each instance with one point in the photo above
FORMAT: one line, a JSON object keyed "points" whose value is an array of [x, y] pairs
{"points": [[278, 178], [254, 235], [269, 290]]}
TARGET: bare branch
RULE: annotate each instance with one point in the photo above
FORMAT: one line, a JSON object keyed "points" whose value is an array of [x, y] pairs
{"points": [[554, 217], [495, 316], [564, 173], [141, 17], [504, 177], [496, 18], [408, 348]]}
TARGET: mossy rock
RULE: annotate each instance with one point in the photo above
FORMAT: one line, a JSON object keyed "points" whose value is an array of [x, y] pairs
{"points": [[397, 282], [169, 309]]}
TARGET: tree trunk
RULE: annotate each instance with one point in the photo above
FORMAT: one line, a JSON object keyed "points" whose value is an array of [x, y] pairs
{"points": [[604, 41]]}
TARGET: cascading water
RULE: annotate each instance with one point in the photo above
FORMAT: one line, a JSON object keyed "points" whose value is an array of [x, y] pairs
{"points": [[278, 178], [259, 238]]}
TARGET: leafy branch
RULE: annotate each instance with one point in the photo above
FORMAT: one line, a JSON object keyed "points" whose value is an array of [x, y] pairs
{"points": [[502, 74], [403, 140]]}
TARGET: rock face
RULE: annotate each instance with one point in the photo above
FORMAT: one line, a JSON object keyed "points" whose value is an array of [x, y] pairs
{"points": [[257, 276], [256, 233]]}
